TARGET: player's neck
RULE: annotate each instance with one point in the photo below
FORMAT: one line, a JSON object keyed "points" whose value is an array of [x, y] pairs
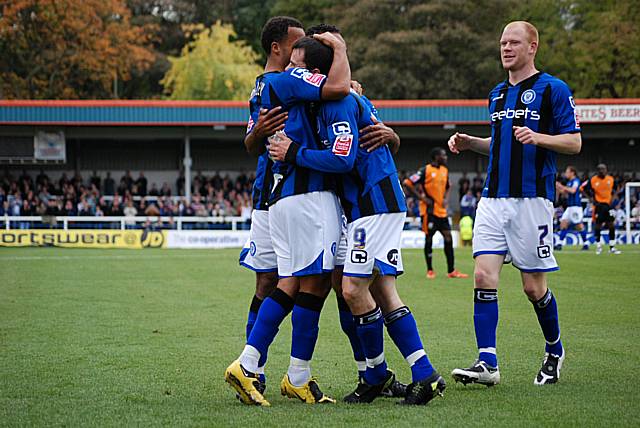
{"points": [[517, 76], [273, 64]]}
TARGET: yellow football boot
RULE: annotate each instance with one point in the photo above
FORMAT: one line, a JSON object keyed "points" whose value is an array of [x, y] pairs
{"points": [[308, 393], [245, 384]]}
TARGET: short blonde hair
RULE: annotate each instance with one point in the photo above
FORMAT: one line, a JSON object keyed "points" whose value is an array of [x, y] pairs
{"points": [[532, 32]]}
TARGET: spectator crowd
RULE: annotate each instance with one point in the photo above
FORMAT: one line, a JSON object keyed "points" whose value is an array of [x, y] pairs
{"points": [[24, 195], [215, 195]]}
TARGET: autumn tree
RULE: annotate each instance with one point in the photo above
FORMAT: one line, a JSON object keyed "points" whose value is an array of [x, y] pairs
{"points": [[212, 66], [594, 46], [68, 48]]}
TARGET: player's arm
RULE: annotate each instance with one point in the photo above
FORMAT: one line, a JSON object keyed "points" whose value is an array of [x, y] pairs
{"points": [[587, 189], [338, 83], [460, 142], [413, 180], [568, 140], [340, 158], [269, 122], [445, 200], [566, 144]]}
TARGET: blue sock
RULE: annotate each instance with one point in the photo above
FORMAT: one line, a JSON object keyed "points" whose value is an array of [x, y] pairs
{"points": [[349, 327], [485, 321], [583, 233], [403, 330], [370, 329], [563, 234], [272, 312], [304, 335], [253, 314], [547, 312]]}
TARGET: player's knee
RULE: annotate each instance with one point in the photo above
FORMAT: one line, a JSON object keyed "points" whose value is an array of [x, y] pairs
{"points": [[352, 290], [266, 282], [484, 279], [534, 286]]}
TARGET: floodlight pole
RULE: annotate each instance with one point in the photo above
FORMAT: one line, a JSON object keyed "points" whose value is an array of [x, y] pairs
{"points": [[187, 164]]}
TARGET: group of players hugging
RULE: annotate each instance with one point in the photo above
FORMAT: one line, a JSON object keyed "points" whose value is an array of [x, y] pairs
{"points": [[329, 211]]}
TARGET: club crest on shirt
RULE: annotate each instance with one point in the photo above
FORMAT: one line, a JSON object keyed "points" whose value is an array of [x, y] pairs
{"points": [[528, 96]]}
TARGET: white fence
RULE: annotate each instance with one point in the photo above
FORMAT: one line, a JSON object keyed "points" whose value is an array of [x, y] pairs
{"points": [[122, 221]]}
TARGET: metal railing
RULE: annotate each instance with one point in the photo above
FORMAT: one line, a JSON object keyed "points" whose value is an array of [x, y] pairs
{"points": [[123, 222]]}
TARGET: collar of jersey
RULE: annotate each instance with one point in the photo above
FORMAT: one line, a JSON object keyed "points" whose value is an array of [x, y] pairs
{"points": [[522, 81]]}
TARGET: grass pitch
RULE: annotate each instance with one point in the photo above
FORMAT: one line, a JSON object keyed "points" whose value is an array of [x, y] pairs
{"points": [[142, 338]]}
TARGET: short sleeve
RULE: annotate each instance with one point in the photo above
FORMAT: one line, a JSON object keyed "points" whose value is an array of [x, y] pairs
{"points": [[565, 117]]}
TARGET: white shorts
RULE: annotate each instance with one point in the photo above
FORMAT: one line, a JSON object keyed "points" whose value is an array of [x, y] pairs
{"points": [[522, 227], [573, 215], [305, 231], [341, 252], [373, 245], [257, 253]]}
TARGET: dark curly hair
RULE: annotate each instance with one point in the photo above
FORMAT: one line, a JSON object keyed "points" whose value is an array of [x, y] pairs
{"points": [[321, 28], [276, 30]]}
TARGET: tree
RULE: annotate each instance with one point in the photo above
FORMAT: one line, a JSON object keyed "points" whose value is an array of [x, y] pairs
{"points": [[68, 48], [424, 49], [593, 46], [212, 66]]}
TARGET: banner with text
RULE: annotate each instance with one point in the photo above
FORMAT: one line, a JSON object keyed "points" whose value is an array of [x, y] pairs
{"points": [[135, 239]]}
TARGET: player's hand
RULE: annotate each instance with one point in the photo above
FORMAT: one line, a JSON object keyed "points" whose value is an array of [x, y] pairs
{"points": [[376, 135], [334, 41], [278, 145], [526, 135], [356, 86], [270, 122], [459, 142]]}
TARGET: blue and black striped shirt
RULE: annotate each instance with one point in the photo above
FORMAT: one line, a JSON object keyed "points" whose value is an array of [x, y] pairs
{"points": [[542, 103]]}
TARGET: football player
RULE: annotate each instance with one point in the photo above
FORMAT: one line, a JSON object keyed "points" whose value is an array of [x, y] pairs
{"points": [[532, 118]]}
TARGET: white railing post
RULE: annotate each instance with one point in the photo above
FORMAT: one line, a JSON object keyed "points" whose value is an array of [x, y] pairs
{"points": [[6, 221], [65, 223], [627, 210]]}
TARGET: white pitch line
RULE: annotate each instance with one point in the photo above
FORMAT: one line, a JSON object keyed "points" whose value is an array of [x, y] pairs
{"points": [[14, 258]]}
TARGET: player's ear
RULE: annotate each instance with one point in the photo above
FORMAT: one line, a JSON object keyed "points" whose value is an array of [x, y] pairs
{"points": [[275, 48], [533, 47], [315, 71]]}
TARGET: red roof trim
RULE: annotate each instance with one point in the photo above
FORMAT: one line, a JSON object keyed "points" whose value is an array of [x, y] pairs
{"points": [[244, 104]]}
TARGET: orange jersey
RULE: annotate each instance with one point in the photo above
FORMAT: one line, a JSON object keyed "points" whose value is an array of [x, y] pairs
{"points": [[602, 188], [435, 183]]}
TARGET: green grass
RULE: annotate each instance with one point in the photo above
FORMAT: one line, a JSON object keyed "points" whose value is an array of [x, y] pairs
{"points": [[121, 338]]}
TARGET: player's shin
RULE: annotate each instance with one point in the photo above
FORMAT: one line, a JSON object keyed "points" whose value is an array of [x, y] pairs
{"points": [[583, 233], [563, 235], [253, 314], [403, 330], [349, 328], [428, 251], [304, 335], [612, 235], [547, 312], [448, 251], [485, 321], [370, 331], [272, 312]]}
